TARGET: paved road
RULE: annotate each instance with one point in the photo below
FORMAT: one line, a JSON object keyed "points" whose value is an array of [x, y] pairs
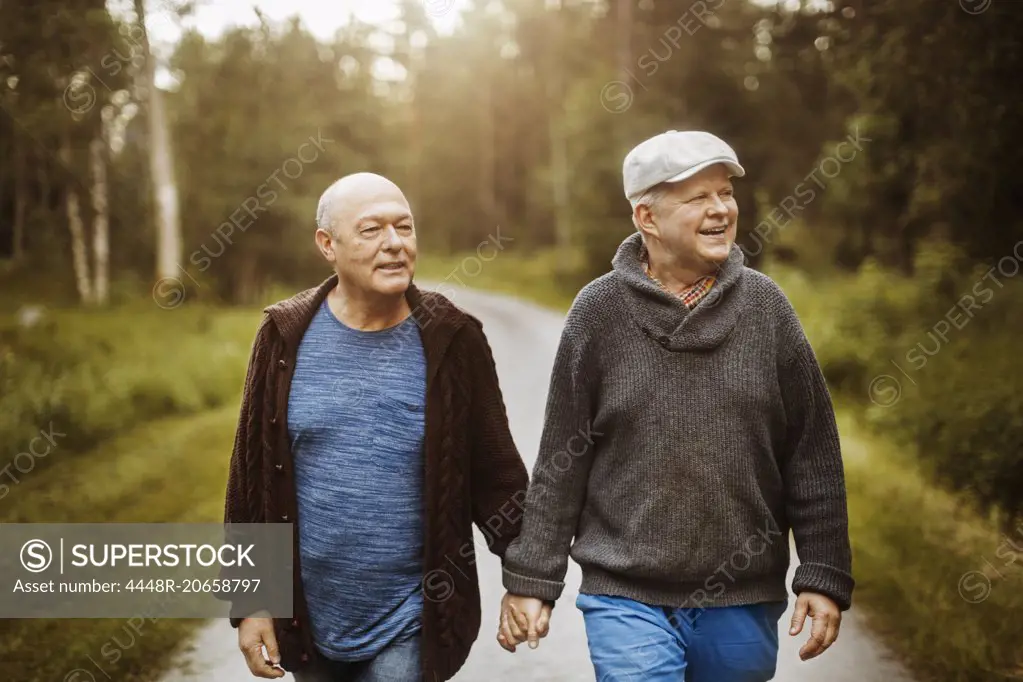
{"points": [[524, 338]]}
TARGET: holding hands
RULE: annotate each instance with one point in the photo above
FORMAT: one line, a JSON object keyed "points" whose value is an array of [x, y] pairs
{"points": [[522, 619]]}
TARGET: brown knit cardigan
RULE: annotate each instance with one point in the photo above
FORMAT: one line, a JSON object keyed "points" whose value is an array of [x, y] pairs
{"points": [[473, 471]]}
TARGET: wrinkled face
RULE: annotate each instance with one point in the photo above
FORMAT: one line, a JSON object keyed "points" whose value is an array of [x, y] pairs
{"points": [[695, 221], [373, 245]]}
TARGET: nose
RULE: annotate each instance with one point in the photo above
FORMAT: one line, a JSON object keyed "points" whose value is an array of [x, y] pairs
{"points": [[717, 207], [391, 239]]}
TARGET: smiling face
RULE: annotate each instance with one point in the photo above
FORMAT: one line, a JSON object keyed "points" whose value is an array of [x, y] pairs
{"points": [[371, 240], [693, 223]]}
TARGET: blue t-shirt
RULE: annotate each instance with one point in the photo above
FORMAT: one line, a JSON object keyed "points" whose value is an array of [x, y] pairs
{"points": [[356, 420]]}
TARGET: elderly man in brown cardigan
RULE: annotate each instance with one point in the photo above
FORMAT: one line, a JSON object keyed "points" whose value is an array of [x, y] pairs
{"points": [[370, 405]]}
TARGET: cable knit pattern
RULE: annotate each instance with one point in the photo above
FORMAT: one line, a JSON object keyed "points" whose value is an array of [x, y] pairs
{"points": [[681, 446], [473, 472]]}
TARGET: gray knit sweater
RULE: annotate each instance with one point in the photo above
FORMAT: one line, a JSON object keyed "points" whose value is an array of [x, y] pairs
{"points": [[680, 447]]}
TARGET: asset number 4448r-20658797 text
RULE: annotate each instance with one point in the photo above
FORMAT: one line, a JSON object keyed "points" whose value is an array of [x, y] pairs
{"points": [[212, 585]]}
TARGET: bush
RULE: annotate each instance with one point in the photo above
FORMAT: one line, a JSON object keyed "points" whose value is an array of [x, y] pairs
{"points": [[89, 375], [933, 375]]}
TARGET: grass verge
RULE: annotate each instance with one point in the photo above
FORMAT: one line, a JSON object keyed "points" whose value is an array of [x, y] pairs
{"points": [[528, 276], [170, 471], [89, 375], [939, 584]]}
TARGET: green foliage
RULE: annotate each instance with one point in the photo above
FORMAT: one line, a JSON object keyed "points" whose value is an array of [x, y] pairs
{"points": [[61, 66], [251, 173], [546, 276], [169, 471], [933, 360], [89, 376], [919, 553], [929, 83]]}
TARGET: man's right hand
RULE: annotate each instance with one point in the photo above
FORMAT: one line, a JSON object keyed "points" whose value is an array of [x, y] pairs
{"points": [[522, 619], [254, 633]]}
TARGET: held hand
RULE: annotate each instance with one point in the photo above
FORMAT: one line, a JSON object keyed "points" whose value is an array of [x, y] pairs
{"points": [[522, 619], [827, 619], [254, 633]]}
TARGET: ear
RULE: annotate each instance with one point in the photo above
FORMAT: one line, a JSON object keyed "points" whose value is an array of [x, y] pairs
{"points": [[643, 219], [325, 243]]}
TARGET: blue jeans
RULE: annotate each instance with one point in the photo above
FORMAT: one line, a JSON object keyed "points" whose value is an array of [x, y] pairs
{"points": [[399, 662], [633, 642]]}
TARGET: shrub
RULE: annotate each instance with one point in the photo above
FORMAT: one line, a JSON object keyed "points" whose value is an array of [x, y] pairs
{"points": [[94, 374], [947, 375]]}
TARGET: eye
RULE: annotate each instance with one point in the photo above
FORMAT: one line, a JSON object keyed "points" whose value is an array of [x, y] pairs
{"points": [[370, 230], [697, 198], [405, 228], [728, 193]]}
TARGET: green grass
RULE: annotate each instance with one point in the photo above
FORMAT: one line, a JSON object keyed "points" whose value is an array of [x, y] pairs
{"points": [[146, 400], [171, 471], [529, 276], [912, 545], [95, 374]]}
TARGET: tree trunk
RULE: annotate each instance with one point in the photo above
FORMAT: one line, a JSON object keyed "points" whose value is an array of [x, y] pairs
{"points": [[100, 229], [161, 165], [245, 283], [45, 184], [487, 158], [625, 66], [20, 198], [79, 255], [559, 159]]}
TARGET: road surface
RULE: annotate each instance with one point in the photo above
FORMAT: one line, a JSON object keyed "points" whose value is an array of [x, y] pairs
{"points": [[524, 338]]}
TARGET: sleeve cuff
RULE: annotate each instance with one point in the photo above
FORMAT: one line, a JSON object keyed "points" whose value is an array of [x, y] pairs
{"points": [[240, 610], [827, 580], [538, 588]]}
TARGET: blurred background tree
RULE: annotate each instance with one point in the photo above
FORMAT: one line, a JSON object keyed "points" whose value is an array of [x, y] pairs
{"points": [[520, 117]]}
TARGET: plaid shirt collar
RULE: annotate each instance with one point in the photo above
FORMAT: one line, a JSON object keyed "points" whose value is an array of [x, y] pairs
{"points": [[692, 294]]}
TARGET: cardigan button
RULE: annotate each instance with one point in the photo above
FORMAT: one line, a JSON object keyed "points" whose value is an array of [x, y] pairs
{"points": [[284, 517], [294, 623], [305, 658], [279, 466], [273, 419], [282, 364]]}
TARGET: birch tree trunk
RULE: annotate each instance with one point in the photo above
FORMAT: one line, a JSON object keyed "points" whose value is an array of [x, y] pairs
{"points": [[100, 229], [168, 245], [79, 254], [161, 165]]}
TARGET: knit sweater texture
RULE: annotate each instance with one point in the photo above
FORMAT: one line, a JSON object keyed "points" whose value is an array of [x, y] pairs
{"points": [[680, 447]]}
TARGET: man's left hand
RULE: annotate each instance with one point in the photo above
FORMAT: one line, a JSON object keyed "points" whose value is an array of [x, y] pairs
{"points": [[827, 619]]}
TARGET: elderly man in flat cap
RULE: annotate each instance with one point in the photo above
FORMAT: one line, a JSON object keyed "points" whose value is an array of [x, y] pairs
{"points": [[372, 419], [711, 434]]}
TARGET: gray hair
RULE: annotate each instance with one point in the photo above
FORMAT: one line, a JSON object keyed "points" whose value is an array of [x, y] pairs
{"points": [[649, 198], [323, 210]]}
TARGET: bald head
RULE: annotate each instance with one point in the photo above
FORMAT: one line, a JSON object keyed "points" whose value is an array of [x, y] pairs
{"points": [[343, 202], [365, 230]]}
